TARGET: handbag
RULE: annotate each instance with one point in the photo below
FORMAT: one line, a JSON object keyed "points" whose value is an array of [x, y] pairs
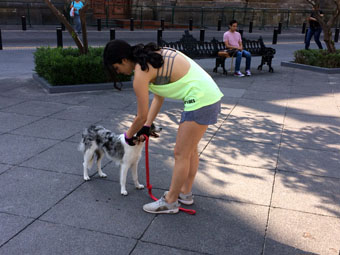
{"points": [[72, 12]]}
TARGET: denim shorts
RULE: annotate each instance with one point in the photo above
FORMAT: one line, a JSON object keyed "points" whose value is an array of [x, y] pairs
{"points": [[206, 115]]}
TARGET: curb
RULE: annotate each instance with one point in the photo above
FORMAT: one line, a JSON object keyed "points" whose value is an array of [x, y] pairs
{"points": [[76, 88], [310, 68]]}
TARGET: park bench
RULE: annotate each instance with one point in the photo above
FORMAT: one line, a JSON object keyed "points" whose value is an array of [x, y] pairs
{"points": [[216, 49]]}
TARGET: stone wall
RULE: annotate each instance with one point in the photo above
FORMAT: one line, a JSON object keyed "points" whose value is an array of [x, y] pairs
{"points": [[36, 12]]}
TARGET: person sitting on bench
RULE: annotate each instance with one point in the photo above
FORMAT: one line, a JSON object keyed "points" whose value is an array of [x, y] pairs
{"points": [[233, 40]]}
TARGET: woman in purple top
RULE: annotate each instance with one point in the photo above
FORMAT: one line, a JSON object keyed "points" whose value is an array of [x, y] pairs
{"points": [[232, 40]]}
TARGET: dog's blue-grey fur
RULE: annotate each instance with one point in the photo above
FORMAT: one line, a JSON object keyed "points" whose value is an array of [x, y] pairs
{"points": [[105, 140]]}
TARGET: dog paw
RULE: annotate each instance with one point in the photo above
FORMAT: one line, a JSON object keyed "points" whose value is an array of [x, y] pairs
{"points": [[140, 186], [124, 192], [102, 175], [86, 178]]}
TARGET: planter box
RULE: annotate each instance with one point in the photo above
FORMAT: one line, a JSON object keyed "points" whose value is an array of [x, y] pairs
{"points": [[311, 68], [76, 88]]}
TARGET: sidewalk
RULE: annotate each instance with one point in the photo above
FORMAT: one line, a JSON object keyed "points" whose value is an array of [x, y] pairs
{"points": [[268, 183]]}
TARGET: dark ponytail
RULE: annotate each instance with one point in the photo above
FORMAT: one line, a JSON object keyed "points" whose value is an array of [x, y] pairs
{"points": [[115, 51], [147, 54]]}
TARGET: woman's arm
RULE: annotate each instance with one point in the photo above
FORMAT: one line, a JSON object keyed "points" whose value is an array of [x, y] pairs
{"points": [[155, 107], [141, 88]]}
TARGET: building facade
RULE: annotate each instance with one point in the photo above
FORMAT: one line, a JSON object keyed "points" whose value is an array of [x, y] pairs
{"points": [[204, 13]]}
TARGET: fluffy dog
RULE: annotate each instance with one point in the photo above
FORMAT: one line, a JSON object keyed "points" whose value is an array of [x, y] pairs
{"points": [[97, 141]]}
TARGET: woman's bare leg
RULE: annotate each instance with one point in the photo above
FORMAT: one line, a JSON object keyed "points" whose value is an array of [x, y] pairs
{"points": [[186, 188], [186, 163]]}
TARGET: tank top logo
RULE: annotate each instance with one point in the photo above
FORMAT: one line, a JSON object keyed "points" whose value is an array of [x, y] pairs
{"points": [[190, 101]]}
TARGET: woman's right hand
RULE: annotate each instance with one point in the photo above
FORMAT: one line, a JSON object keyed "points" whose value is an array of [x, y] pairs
{"points": [[131, 141]]}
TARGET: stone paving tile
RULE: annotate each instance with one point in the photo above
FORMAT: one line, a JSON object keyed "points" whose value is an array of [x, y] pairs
{"points": [[219, 227], [249, 105], [36, 108], [83, 113], [302, 121], [30, 192], [117, 101], [245, 129], [72, 98], [269, 118], [155, 249], [237, 152], [337, 97], [11, 225], [10, 121], [15, 149], [8, 101], [291, 232], [266, 96], [47, 238], [311, 101], [238, 183], [7, 84], [270, 87], [313, 110], [325, 90], [232, 92], [307, 193], [28, 90], [63, 157], [98, 205], [51, 128], [307, 161], [75, 138], [4, 168], [320, 138], [117, 121]]}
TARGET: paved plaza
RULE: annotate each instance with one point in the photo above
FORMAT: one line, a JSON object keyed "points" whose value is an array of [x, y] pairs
{"points": [[268, 182]]}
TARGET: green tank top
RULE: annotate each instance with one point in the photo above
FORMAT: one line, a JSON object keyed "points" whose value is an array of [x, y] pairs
{"points": [[197, 89]]}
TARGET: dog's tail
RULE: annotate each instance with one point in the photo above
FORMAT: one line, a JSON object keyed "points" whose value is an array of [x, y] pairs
{"points": [[81, 146]]}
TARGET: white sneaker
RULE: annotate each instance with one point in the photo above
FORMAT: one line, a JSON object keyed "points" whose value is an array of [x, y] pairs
{"points": [[238, 74], [161, 206], [187, 199], [248, 73]]}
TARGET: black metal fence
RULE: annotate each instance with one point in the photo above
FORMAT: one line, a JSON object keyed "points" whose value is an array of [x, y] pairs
{"points": [[37, 13]]}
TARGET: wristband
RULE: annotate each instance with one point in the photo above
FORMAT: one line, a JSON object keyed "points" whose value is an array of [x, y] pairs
{"points": [[145, 130], [129, 141]]}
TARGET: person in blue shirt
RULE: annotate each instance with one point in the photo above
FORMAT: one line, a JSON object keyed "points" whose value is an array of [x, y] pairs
{"points": [[77, 4]]}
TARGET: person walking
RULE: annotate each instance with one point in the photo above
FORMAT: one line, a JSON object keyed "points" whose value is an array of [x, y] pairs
{"points": [[168, 73], [233, 41], [314, 28], [77, 5]]}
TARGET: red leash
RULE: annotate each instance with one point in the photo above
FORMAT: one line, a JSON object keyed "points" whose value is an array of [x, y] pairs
{"points": [[148, 185]]}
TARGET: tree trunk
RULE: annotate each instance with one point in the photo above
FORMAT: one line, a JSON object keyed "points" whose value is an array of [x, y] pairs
{"points": [[70, 29], [327, 37], [327, 26], [82, 13]]}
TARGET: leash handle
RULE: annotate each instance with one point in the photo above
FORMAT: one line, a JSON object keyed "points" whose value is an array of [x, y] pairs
{"points": [[148, 185]]}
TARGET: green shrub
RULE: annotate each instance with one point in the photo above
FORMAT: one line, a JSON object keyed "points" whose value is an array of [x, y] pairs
{"points": [[318, 58], [67, 67]]}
